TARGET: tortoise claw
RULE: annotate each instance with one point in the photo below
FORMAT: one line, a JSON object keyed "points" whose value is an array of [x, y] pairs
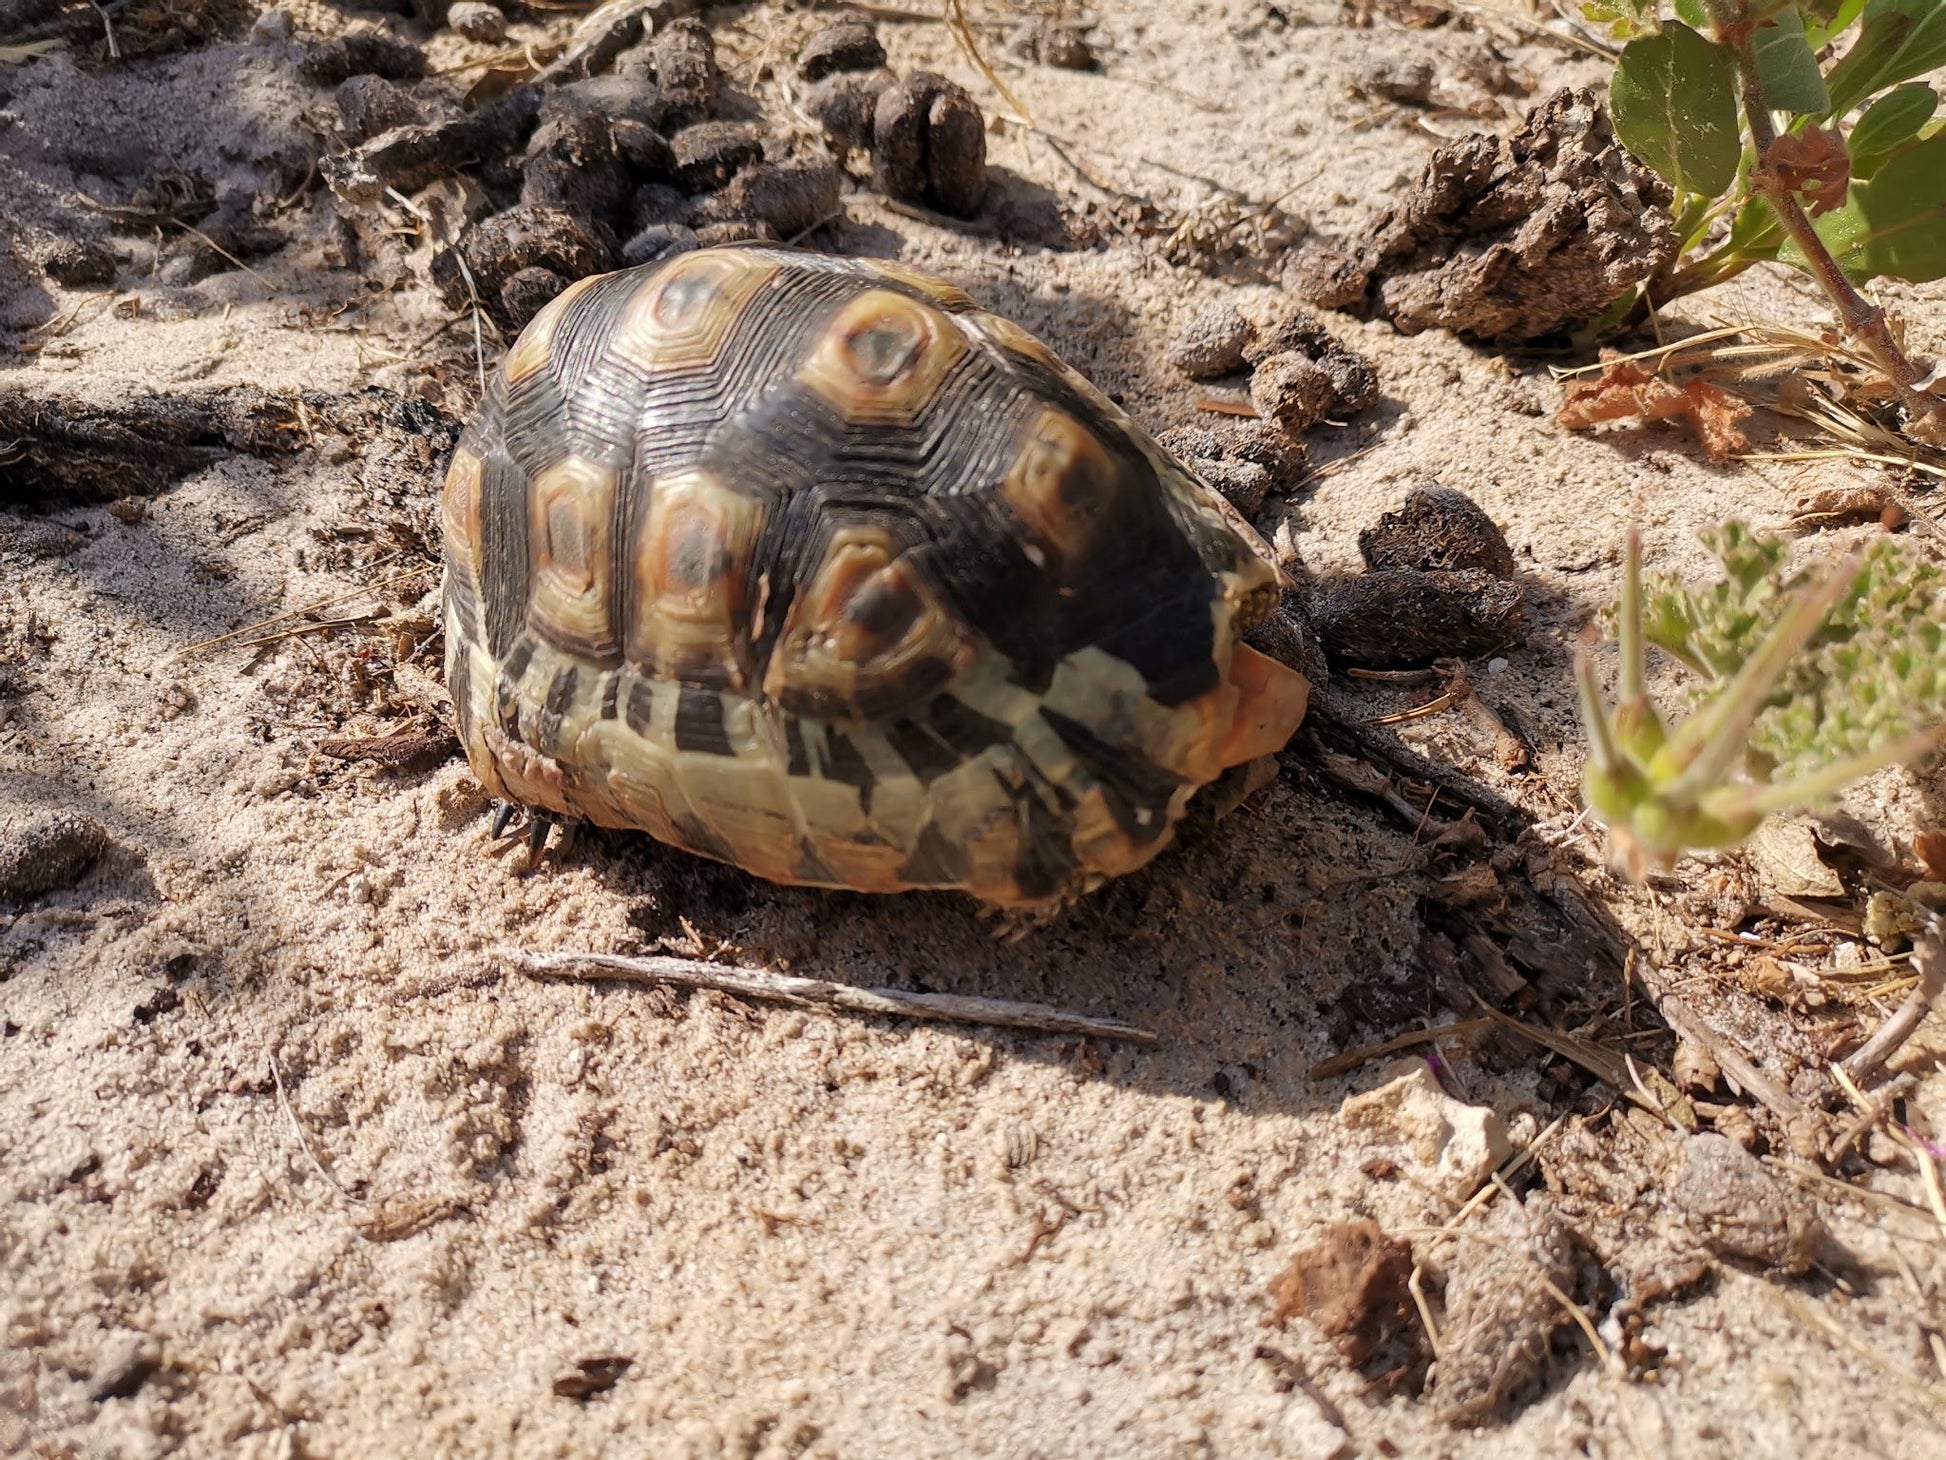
{"points": [[503, 815]]}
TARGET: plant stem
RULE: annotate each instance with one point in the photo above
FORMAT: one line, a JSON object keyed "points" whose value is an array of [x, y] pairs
{"points": [[1863, 321]]}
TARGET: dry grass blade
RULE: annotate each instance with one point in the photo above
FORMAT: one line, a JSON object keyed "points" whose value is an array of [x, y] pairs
{"points": [[1351, 1059], [15, 55], [250, 631], [969, 45], [783, 988]]}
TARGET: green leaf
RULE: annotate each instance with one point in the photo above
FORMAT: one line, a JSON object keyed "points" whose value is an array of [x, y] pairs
{"points": [[1828, 22], [1889, 124], [1674, 104], [1901, 39], [1693, 13], [1788, 70], [1622, 19], [1894, 224]]}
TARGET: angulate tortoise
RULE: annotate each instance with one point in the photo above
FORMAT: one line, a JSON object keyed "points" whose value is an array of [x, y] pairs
{"points": [[811, 566]]}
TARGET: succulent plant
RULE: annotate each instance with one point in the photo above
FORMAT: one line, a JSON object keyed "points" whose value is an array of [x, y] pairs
{"points": [[1811, 679]]}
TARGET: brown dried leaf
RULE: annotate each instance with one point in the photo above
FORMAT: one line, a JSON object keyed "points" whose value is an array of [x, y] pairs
{"points": [[1931, 847], [1624, 390], [1814, 164]]}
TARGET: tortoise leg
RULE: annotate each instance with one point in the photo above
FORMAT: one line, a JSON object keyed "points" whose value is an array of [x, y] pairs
{"points": [[539, 825]]}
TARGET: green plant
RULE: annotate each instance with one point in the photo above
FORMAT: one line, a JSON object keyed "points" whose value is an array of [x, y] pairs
{"points": [[1780, 148], [1811, 679]]}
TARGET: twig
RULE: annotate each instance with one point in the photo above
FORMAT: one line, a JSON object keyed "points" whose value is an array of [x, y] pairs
{"points": [[1351, 1059], [783, 988], [284, 1104], [1863, 321], [1729, 1059], [1929, 960]]}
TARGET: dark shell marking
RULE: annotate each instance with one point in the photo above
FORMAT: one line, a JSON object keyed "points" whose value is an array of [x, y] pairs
{"points": [[811, 566]]}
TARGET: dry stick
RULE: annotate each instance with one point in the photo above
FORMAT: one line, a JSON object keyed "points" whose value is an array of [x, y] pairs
{"points": [[1729, 1059], [1863, 321], [784, 988], [1929, 958]]}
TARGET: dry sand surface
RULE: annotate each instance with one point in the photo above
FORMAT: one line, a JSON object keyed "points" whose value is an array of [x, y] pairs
{"points": [[291, 1166]]}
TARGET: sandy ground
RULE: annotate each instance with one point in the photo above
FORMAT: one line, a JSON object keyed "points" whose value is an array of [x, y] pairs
{"points": [[289, 1167]]}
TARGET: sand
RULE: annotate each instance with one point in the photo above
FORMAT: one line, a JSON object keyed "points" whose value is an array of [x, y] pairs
{"points": [[292, 1167]]}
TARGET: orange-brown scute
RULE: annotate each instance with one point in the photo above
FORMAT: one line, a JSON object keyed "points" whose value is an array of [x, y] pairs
{"points": [[867, 632], [679, 316], [571, 531], [460, 513], [1063, 485], [882, 358], [1270, 704], [690, 568], [536, 343]]}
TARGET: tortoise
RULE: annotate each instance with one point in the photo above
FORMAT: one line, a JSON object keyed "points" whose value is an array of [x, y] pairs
{"points": [[811, 566]]}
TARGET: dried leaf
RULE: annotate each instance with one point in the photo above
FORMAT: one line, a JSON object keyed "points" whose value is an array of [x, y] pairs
{"points": [[1931, 847], [1624, 390], [1814, 164]]}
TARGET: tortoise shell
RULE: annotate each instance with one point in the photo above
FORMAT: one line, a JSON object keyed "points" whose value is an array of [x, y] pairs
{"points": [[811, 566]]}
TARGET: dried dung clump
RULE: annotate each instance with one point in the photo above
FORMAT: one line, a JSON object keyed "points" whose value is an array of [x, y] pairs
{"points": [[1513, 238], [1437, 530], [1730, 1202], [1352, 1285], [1504, 1301]]}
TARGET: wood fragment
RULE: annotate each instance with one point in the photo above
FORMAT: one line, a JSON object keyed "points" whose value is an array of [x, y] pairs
{"points": [[1929, 961], [1351, 1059], [1729, 1058], [783, 988]]}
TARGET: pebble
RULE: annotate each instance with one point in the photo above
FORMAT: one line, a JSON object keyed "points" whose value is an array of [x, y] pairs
{"points": [[1212, 344], [1457, 1144], [476, 21], [47, 851], [272, 28]]}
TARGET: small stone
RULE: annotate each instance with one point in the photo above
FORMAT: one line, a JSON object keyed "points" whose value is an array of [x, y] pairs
{"points": [[1496, 665], [1052, 43], [1306, 1432], [127, 1360], [1734, 1205], [850, 45], [47, 851], [1458, 1144], [1409, 82], [477, 21], [709, 154], [1293, 391], [1437, 530], [1212, 344], [929, 139], [272, 28], [1403, 619]]}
